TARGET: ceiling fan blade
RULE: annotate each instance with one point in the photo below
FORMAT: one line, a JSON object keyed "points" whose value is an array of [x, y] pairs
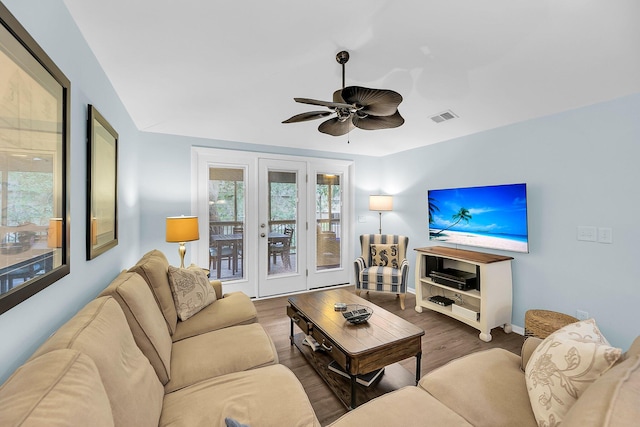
{"points": [[336, 127], [323, 103], [337, 96], [376, 102], [378, 122], [311, 115]]}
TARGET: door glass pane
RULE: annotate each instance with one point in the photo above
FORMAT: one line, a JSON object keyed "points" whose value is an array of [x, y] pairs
{"points": [[328, 218], [283, 211], [226, 222]]}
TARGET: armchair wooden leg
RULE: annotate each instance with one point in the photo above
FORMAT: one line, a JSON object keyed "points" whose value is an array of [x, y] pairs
{"points": [[402, 297], [358, 291]]}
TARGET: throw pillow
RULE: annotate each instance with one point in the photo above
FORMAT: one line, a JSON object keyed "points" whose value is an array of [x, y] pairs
{"points": [[191, 290], [384, 255], [230, 422], [563, 366]]}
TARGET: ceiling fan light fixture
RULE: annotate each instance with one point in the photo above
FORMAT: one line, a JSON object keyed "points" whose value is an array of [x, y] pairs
{"points": [[369, 109]]}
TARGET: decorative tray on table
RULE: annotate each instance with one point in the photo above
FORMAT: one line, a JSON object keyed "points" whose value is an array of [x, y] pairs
{"points": [[357, 313]]}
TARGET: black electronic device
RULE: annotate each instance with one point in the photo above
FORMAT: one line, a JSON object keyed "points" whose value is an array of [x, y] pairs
{"points": [[433, 264], [441, 300], [458, 279]]}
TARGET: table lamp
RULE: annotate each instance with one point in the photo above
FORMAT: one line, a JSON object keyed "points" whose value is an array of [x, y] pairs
{"points": [[182, 229], [380, 203]]}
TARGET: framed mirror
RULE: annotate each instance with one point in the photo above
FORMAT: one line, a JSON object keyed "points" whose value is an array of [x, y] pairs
{"points": [[102, 186], [34, 161]]}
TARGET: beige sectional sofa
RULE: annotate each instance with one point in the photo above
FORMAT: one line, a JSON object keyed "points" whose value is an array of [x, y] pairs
{"points": [[125, 359], [488, 388]]}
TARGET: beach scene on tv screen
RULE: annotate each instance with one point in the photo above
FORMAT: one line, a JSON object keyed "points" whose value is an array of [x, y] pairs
{"points": [[489, 217]]}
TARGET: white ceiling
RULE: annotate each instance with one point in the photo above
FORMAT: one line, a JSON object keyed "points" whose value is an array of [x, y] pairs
{"points": [[229, 69]]}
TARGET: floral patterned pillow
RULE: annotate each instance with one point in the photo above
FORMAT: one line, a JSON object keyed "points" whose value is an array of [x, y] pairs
{"points": [[563, 366], [191, 290], [384, 255]]}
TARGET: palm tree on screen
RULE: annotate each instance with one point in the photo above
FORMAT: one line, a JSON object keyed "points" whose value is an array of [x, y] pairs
{"points": [[433, 209], [462, 215]]}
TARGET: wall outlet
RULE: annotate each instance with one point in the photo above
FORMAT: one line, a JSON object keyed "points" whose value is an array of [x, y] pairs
{"points": [[582, 315], [362, 218]]}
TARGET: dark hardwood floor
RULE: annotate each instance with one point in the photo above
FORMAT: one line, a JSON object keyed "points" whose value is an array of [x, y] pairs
{"points": [[445, 339]]}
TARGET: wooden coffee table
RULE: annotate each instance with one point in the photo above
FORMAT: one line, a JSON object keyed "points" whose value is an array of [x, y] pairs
{"points": [[359, 349]]}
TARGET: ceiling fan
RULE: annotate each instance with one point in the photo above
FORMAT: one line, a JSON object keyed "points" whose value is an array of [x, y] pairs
{"points": [[354, 107]]}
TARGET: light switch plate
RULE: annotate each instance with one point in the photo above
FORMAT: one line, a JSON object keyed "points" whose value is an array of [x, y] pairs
{"points": [[587, 233], [605, 235]]}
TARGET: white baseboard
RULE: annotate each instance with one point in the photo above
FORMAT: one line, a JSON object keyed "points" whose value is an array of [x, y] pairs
{"points": [[518, 329]]}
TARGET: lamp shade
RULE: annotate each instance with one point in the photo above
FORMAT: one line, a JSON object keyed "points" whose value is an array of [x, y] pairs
{"points": [[380, 203], [182, 229], [54, 236]]}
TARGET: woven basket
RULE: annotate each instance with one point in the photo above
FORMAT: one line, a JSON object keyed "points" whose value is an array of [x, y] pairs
{"points": [[542, 323]]}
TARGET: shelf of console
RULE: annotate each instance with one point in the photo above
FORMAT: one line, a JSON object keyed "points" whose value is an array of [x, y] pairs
{"points": [[493, 301]]}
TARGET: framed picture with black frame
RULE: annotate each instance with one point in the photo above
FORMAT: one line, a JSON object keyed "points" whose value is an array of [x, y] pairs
{"points": [[34, 166], [102, 185]]}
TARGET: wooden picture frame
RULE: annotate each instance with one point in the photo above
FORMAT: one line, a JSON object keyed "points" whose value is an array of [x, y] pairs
{"points": [[34, 166], [102, 185]]}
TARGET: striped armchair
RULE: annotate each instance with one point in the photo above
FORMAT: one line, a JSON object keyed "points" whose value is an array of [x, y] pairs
{"points": [[383, 265]]}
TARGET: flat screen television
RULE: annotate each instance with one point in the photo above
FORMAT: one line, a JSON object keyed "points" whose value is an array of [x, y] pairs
{"points": [[492, 216]]}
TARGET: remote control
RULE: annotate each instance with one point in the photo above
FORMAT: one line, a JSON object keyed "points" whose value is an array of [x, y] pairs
{"points": [[355, 315]]}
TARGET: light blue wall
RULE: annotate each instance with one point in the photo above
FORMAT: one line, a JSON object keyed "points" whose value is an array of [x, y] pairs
{"points": [[25, 326], [581, 168], [165, 184]]}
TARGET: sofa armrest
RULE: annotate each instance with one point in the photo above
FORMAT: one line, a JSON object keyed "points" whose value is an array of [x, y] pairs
{"points": [[530, 344], [217, 286]]}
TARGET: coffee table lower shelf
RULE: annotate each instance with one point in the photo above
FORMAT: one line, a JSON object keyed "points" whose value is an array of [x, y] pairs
{"points": [[394, 377]]}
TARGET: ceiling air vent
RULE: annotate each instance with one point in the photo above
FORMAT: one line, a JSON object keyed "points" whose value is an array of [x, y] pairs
{"points": [[443, 117]]}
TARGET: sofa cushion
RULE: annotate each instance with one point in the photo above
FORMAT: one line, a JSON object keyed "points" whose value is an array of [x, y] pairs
{"points": [[236, 308], [612, 400], [528, 347], [386, 279], [59, 388], [409, 406], [190, 289], [269, 396], [145, 320], [100, 330], [486, 388], [220, 352], [153, 267], [563, 366]]}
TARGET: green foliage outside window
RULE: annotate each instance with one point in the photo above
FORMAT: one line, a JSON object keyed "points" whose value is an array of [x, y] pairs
{"points": [[29, 198]]}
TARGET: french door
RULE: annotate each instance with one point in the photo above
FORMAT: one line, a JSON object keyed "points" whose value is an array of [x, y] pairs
{"points": [[271, 225], [282, 218]]}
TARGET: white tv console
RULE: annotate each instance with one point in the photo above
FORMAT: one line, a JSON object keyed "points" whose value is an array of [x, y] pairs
{"points": [[482, 309]]}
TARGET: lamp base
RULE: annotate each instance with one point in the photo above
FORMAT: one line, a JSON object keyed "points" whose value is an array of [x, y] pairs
{"points": [[380, 229], [182, 250]]}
